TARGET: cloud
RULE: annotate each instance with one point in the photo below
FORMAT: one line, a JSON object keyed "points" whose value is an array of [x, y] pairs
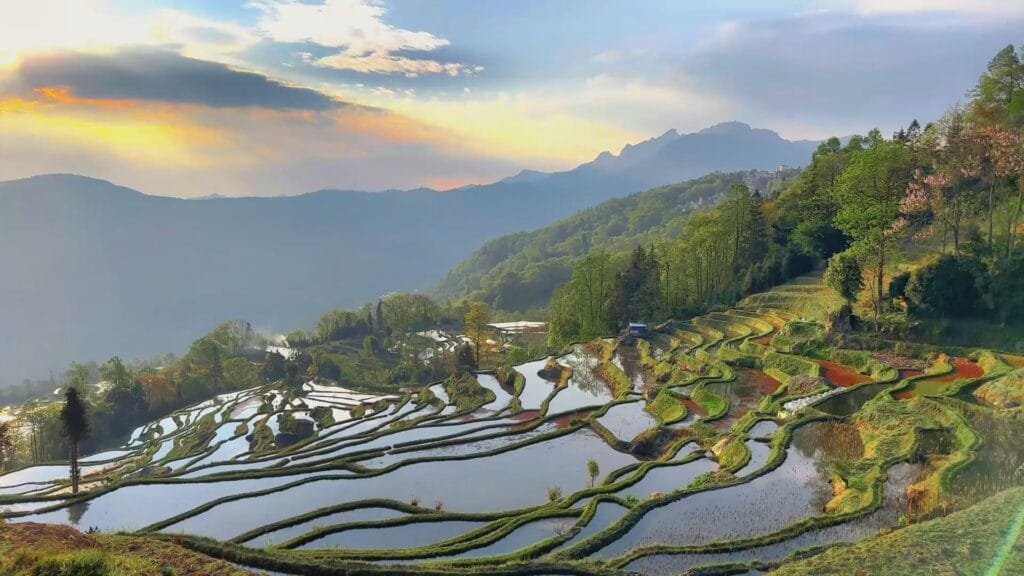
{"points": [[618, 56], [104, 25], [842, 72], [357, 29], [190, 150], [160, 75], [979, 7], [192, 147]]}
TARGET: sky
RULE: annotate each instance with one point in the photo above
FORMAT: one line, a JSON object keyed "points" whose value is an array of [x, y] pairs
{"points": [[268, 97]]}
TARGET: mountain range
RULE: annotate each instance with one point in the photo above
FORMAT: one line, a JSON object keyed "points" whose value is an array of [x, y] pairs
{"points": [[91, 269]]}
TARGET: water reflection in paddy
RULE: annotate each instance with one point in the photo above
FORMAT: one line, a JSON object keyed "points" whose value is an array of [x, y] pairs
{"points": [[536, 389], [472, 446], [523, 536], [627, 420], [393, 537], [349, 516], [666, 479], [606, 514], [34, 474], [760, 452], [900, 476], [105, 456], [796, 490], [627, 358], [584, 388], [134, 507], [515, 479], [502, 397], [743, 394], [762, 429]]}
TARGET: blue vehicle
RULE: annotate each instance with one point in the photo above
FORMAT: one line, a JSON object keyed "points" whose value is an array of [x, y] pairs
{"points": [[637, 329]]}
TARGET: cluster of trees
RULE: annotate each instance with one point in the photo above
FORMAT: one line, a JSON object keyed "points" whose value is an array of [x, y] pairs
{"points": [[126, 397], [520, 272], [395, 315], [720, 255], [956, 185], [376, 346]]}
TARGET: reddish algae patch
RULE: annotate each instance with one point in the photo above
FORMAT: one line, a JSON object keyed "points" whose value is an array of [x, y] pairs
{"points": [[962, 369], [694, 408], [526, 418], [842, 376], [764, 383]]}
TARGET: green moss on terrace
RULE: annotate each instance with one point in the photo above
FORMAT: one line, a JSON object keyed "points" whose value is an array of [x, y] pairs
{"points": [[714, 405], [667, 407]]}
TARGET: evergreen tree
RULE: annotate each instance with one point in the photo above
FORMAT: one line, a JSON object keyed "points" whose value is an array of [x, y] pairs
{"points": [[75, 427]]}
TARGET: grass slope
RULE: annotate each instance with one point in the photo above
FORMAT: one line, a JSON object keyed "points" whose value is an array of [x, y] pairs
{"points": [[979, 540], [47, 550]]}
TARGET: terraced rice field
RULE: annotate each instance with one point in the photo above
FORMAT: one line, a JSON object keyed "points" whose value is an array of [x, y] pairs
{"points": [[651, 459]]}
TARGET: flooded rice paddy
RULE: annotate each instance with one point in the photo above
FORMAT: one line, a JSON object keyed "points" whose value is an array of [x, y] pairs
{"points": [[417, 476]]}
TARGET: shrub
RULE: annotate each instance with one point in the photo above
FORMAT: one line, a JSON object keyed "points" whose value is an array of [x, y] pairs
{"points": [[466, 393], [701, 481], [844, 276], [262, 438], [947, 285], [286, 422], [323, 415], [898, 285], [554, 493]]}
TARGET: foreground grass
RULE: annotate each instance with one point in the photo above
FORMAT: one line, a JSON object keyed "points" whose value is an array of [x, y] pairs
{"points": [[47, 550], [979, 540]]}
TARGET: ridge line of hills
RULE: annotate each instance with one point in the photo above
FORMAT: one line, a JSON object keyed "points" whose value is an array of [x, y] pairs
{"points": [[116, 271]]}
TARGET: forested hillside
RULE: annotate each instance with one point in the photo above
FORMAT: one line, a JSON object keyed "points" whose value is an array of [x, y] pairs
{"points": [[917, 228], [520, 272]]}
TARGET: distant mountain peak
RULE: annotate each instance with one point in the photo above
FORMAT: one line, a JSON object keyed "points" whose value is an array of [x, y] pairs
{"points": [[667, 136], [728, 128], [70, 185], [526, 175]]}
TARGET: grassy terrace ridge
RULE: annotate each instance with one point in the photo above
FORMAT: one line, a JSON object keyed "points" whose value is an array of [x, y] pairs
{"points": [[688, 369], [984, 539]]}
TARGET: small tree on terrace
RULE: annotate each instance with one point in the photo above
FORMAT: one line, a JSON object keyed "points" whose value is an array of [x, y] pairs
{"points": [[593, 470], [6, 443], [845, 276], [75, 427], [477, 319]]}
